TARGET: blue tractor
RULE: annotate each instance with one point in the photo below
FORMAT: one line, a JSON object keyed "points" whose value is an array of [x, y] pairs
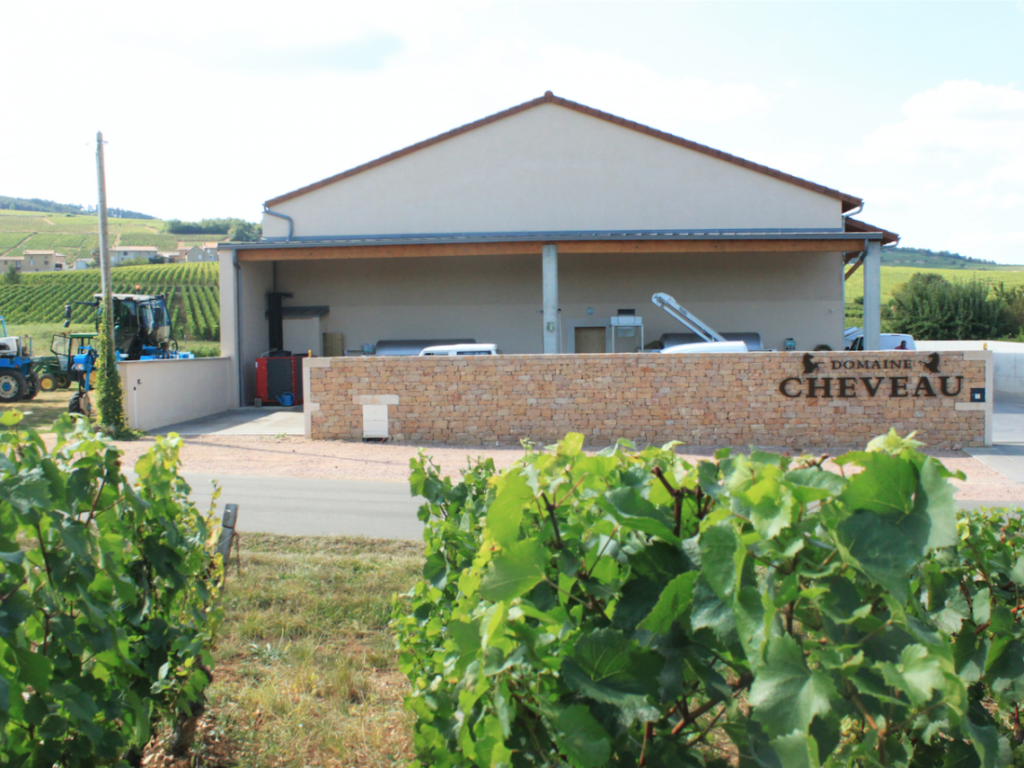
{"points": [[17, 378], [142, 331]]}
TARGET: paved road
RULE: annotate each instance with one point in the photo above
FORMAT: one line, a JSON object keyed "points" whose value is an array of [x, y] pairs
{"points": [[317, 507], [314, 507], [305, 506]]}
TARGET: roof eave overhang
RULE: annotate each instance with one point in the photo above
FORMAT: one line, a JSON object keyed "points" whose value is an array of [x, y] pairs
{"points": [[513, 243]]}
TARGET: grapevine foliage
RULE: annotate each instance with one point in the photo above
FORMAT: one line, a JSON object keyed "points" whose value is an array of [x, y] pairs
{"points": [[627, 608], [107, 598]]}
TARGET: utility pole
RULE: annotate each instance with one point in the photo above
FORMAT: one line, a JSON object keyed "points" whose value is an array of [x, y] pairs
{"points": [[108, 380], [101, 210]]}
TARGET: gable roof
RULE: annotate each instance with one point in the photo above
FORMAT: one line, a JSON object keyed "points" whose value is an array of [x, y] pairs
{"points": [[849, 201]]}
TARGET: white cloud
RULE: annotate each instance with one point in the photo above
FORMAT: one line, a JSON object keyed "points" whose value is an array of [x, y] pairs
{"points": [[957, 120], [212, 117], [957, 159]]}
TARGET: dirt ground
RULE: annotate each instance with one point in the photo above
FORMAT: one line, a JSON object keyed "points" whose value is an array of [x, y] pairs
{"points": [[299, 457]]}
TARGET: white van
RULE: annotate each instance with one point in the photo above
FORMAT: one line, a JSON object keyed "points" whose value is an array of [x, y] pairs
{"points": [[853, 340], [454, 350], [705, 347]]}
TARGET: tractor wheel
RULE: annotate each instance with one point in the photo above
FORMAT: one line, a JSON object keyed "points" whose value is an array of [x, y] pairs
{"points": [[48, 382], [12, 386], [80, 404], [63, 381], [31, 387]]}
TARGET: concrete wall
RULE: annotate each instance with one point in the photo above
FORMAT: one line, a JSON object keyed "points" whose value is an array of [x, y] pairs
{"points": [[551, 168], [244, 336], [762, 398], [498, 299], [302, 335], [162, 392], [1007, 360]]}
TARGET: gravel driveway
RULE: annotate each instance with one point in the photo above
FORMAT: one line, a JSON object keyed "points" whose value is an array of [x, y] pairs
{"points": [[300, 457]]}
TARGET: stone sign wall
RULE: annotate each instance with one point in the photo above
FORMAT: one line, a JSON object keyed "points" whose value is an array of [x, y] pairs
{"points": [[777, 399]]}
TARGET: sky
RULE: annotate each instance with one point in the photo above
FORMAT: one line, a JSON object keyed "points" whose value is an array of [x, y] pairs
{"points": [[210, 108]]}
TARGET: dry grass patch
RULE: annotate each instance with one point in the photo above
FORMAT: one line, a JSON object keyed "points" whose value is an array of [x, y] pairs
{"points": [[305, 666]]}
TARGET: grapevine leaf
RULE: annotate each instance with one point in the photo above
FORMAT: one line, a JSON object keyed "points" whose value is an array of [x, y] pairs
{"points": [[611, 669], [515, 571], [917, 674], [571, 444], [969, 654], [34, 668], [886, 485], [885, 550], [797, 750], [960, 754], [1005, 666], [673, 602], [748, 612], [633, 510], [718, 551], [814, 483], [490, 746], [711, 612], [935, 499], [786, 695], [11, 417], [581, 738], [1017, 574], [986, 742], [506, 511]]}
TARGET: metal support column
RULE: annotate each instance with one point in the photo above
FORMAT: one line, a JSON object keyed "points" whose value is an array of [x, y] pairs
{"points": [[873, 295], [550, 280]]}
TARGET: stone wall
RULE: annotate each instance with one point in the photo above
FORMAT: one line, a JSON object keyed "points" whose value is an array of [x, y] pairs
{"points": [[777, 399]]}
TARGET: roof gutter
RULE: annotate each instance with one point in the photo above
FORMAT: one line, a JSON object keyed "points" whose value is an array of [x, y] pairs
{"points": [[291, 224], [854, 211]]}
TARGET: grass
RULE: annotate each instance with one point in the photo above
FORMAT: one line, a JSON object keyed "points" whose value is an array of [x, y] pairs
{"points": [[43, 409], [42, 335], [896, 276], [305, 669], [893, 277]]}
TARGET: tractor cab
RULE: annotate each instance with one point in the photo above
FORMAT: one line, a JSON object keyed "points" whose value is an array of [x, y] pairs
{"points": [[142, 326]]}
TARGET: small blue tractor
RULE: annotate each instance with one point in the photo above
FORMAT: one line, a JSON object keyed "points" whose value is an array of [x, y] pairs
{"points": [[17, 378], [142, 331]]}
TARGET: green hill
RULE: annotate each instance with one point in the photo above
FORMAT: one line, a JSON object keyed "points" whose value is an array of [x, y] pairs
{"points": [[922, 257], [77, 235], [193, 296]]}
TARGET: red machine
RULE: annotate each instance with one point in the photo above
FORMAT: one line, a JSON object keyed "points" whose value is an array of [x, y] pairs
{"points": [[277, 376]]}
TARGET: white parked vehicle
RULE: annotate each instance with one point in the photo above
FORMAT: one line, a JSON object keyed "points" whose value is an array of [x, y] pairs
{"points": [[705, 347], [455, 350], [853, 340]]}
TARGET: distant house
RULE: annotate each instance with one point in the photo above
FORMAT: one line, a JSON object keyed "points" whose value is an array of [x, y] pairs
{"points": [[208, 252], [82, 264], [128, 252], [35, 261], [168, 257]]}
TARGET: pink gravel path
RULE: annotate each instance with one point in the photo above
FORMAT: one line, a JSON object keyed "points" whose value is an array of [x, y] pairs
{"points": [[299, 457]]}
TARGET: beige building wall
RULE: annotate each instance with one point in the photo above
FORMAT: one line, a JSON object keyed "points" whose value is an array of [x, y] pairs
{"points": [[162, 392], [498, 299], [551, 168]]}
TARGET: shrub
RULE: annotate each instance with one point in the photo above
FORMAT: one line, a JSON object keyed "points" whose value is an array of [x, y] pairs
{"points": [[627, 608], [107, 598], [928, 306]]}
